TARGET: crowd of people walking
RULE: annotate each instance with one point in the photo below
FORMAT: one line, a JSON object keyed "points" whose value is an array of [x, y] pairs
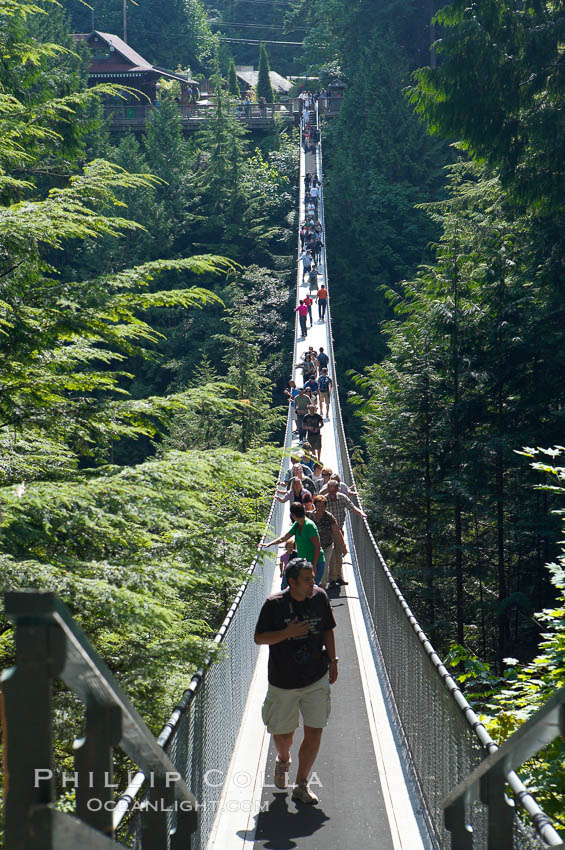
{"points": [[297, 623], [318, 499], [310, 256]]}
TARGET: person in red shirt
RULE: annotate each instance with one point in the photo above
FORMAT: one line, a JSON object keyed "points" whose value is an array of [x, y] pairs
{"points": [[322, 299], [302, 311], [308, 301]]}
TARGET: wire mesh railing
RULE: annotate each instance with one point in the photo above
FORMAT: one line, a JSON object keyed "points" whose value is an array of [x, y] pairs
{"points": [[441, 738]]}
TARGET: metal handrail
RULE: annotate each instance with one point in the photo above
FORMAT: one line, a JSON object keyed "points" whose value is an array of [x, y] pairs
{"points": [[486, 783], [88, 676]]}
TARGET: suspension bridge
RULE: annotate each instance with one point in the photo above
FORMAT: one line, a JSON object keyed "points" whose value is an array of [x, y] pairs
{"points": [[405, 764]]}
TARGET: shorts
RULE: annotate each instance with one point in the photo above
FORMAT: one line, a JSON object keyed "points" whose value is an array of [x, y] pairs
{"points": [[315, 440], [325, 396], [281, 708]]}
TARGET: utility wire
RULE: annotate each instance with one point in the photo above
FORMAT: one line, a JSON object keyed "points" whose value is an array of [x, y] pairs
{"points": [[252, 26], [261, 41], [268, 2]]}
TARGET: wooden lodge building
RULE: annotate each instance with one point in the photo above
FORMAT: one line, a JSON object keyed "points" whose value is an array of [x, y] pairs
{"points": [[114, 61]]}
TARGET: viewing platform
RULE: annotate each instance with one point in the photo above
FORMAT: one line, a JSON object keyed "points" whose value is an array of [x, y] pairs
{"points": [[134, 117]]}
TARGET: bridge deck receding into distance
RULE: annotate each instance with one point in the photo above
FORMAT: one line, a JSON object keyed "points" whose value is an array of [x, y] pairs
{"points": [[365, 801]]}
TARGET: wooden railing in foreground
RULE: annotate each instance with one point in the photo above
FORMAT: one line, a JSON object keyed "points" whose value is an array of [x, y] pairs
{"points": [[49, 646]]}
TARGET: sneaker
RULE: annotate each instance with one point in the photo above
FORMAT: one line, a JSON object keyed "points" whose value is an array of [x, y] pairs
{"points": [[341, 581], [303, 794], [281, 773]]}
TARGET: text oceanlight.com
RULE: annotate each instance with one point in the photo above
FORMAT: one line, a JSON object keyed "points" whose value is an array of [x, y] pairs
{"points": [[253, 806]]}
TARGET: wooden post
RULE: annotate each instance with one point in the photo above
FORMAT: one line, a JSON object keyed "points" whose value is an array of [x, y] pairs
{"points": [[27, 688], [4, 736]]}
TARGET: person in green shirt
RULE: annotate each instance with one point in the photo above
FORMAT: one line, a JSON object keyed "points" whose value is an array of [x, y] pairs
{"points": [[306, 539]]}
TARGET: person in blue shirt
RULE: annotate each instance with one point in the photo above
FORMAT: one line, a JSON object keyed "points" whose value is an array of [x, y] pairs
{"points": [[312, 384], [322, 358]]}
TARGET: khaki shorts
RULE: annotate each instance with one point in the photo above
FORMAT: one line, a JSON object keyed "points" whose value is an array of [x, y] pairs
{"points": [[282, 706], [324, 397], [315, 440]]}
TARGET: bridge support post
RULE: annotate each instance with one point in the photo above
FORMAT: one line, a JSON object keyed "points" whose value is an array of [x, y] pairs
{"points": [[456, 824], [94, 767], [155, 815], [500, 811], [187, 821], [27, 687]]}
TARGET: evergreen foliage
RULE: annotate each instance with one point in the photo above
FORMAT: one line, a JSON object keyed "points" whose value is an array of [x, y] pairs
{"points": [[461, 386], [233, 84], [247, 372], [499, 88], [138, 556], [264, 88]]}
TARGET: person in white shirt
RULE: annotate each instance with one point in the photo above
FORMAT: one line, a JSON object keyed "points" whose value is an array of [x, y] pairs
{"points": [[306, 258]]}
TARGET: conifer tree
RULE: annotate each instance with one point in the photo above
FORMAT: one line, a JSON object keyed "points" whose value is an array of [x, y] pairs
{"points": [[247, 373], [167, 156], [233, 84], [221, 146], [461, 389], [499, 88], [264, 88]]}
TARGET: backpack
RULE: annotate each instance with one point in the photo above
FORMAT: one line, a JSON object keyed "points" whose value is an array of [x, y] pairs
{"points": [[324, 383]]}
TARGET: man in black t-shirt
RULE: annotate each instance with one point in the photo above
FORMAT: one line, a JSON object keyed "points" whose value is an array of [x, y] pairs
{"points": [[297, 625], [313, 424]]}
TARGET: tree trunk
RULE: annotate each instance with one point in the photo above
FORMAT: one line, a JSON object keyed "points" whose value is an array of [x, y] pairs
{"points": [[503, 623], [429, 568], [457, 508]]}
